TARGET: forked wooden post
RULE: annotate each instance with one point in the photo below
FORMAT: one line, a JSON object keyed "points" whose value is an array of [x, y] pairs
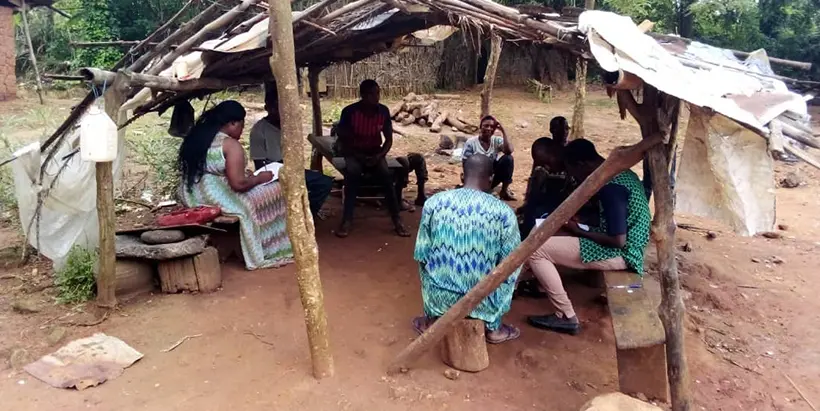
{"points": [[622, 158], [300, 221], [316, 105], [489, 75]]}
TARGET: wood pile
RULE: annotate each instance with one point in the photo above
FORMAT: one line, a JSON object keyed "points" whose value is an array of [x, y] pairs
{"points": [[426, 111]]}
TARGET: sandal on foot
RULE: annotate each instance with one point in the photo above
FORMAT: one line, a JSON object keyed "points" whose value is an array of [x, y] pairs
{"points": [[422, 323], [553, 322], [343, 231], [509, 333], [401, 231]]}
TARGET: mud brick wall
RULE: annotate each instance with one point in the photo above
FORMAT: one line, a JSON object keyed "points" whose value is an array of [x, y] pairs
{"points": [[8, 82]]}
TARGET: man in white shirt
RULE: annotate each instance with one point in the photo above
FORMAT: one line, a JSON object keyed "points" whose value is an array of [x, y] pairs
{"points": [[266, 148], [489, 145]]}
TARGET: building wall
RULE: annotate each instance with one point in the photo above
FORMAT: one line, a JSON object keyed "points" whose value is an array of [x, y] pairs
{"points": [[8, 82]]}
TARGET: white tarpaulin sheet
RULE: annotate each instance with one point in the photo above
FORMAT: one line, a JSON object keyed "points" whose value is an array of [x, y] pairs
{"points": [[726, 174], [69, 213], [729, 87]]}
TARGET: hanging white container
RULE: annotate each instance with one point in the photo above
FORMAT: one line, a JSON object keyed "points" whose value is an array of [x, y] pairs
{"points": [[98, 137]]}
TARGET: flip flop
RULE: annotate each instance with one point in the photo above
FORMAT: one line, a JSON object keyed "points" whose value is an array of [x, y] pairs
{"points": [[343, 231], [511, 332]]}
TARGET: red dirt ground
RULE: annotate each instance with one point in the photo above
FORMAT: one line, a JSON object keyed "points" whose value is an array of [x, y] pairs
{"points": [[748, 323]]}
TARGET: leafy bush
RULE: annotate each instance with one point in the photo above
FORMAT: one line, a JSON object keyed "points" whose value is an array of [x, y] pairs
{"points": [[159, 154], [75, 282]]}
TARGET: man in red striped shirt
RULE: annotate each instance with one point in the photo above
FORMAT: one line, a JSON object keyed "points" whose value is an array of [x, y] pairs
{"points": [[360, 130]]}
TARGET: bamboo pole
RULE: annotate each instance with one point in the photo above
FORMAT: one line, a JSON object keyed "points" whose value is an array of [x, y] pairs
{"points": [[31, 52], [489, 75], [316, 105], [622, 158], [300, 221], [202, 35], [106, 276]]}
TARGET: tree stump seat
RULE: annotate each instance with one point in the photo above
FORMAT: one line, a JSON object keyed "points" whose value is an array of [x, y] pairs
{"points": [[464, 347], [639, 336], [228, 243]]}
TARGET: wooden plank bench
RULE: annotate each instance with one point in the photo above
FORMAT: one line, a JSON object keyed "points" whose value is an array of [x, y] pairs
{"points": [[639, 336]]}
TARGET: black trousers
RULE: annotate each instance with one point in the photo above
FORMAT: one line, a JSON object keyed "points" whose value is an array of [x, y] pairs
{"points": [[503, 169], [354, 174]]}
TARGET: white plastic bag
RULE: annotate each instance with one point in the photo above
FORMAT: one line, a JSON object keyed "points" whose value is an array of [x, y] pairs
{"points": [[69, 213]]}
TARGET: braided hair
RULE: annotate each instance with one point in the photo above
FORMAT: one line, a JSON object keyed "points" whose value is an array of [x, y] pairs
{"points": [[194, 148]]}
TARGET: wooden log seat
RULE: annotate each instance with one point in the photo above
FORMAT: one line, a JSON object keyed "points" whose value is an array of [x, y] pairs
{"points": [[465, 348], [639, 336], [200, 273]]}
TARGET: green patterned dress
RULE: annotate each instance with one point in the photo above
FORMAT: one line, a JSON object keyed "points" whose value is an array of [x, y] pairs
{"points": [[261, 211], [638, 222], [463, 235]]}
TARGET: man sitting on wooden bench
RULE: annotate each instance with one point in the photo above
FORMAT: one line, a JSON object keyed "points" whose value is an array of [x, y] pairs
{"points": [[361, 127], [463, 235], [618, 244]]}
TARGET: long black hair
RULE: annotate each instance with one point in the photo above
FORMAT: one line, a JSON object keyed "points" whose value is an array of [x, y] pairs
{"points": [[194, 148]]}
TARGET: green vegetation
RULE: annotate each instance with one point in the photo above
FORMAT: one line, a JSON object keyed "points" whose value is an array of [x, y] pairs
{"points": [[75, 282]]}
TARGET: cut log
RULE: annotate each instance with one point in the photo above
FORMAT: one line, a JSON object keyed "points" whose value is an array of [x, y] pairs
{"points": [[396, 108], [177, 275], [464, 347], [410, 119], [429, 109], [208, 270], [436, 126], [461, 126], [446, 96], [134, 277], [416, 105], [416, 113], [432, 117], [409, 98], [423, 122]]}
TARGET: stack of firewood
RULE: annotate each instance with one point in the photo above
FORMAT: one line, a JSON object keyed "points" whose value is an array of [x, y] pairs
{"points": [[425, 111]]}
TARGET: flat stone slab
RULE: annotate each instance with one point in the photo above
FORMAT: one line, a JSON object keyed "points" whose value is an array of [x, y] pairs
{"points": [[131, 247]]}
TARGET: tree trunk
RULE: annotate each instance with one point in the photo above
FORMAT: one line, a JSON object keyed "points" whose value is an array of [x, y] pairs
{"points": [[107, 265], [316, 105], [622, 158], [577, 129], [31, 53], [299, 220], [489, 75]]}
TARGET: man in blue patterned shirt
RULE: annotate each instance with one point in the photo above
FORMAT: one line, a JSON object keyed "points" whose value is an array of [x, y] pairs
{"points": [[463, 235]]}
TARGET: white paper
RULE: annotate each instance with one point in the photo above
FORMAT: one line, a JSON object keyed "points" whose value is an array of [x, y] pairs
{"points": [[273, 168]]}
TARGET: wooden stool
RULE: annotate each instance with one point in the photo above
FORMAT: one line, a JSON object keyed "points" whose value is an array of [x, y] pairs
{"points": [[464, 347]]}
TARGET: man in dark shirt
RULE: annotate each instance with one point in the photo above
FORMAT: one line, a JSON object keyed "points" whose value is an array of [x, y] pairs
{"points": [[361, 127], [548, 184]]}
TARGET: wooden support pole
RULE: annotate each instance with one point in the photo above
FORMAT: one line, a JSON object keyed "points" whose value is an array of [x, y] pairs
{"points": [[31, 52], [622, 158], [100, 77], [106, 268], [577, 128], [671, 309], [489, 75], [316, 105], [300, 221]]}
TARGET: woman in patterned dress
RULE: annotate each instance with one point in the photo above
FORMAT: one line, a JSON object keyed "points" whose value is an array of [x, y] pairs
{"points": [[213, 167]]}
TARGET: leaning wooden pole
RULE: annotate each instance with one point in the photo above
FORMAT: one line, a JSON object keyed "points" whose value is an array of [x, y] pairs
{"points": [[671, 310], [622, 158], [31, 52], [316, 105], [300, 221], [489, 76]]}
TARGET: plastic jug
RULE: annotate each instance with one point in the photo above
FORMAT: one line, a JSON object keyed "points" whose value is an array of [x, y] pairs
{"points": [[98, 137]]}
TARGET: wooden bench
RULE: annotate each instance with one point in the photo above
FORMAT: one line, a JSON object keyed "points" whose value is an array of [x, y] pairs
{"points": [[639, 336]]}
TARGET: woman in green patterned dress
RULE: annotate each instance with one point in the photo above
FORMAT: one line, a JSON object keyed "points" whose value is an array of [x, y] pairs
{"points": [[213, 167], [618, 244]]}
